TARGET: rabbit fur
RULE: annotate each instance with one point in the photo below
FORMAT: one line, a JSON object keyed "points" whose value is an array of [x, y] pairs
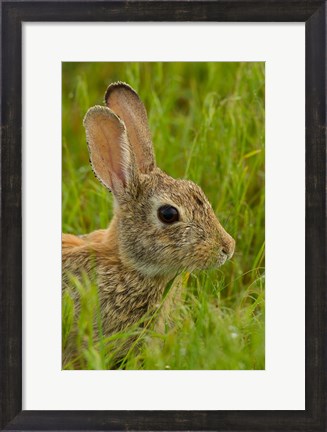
{"points": [[138, 254]]}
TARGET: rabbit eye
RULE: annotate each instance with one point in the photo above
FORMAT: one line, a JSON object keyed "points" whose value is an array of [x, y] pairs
{"points": [[168, 214]]}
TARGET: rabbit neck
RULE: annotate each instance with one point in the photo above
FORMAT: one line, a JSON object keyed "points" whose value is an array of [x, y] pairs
{"points": [[125, 294]]}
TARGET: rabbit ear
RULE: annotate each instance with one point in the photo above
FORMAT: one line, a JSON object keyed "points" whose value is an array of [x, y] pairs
{"points": [[125, 102], [111, 156]]}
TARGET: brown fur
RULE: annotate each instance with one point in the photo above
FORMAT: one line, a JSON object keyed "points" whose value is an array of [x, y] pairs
{"points": [[133, 260]]}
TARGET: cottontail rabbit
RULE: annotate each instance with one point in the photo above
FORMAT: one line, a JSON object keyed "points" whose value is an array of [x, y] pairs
{"points": [[161, 226]]}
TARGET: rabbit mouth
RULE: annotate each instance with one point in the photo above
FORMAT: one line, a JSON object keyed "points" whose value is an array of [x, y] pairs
{"points": [[221, 260], [213, 263]]}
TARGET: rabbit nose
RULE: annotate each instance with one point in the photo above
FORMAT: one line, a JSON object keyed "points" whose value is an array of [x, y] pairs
{"points": [[228, 246]]}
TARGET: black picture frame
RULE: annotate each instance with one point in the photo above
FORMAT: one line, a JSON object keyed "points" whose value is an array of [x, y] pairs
{"points": [[13, 14]]}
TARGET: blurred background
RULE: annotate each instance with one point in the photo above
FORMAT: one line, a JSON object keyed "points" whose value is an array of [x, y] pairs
{"points": [[208, 125]]}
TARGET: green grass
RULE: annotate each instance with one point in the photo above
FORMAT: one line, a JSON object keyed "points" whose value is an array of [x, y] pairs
{"points": [[207, 123]]}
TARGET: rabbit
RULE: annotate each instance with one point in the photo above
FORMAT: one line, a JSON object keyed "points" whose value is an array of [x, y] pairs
{"points": [[161, 225]]}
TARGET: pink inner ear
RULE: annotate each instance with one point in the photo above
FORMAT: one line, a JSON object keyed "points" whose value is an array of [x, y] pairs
{"points": [[125, 102], [108, 147]]}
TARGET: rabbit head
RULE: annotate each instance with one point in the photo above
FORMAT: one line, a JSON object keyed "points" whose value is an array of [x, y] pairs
{"points": [[164, 225]]}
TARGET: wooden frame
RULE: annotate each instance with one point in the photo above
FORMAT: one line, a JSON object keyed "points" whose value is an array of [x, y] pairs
{"points": [[13, 13]]}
